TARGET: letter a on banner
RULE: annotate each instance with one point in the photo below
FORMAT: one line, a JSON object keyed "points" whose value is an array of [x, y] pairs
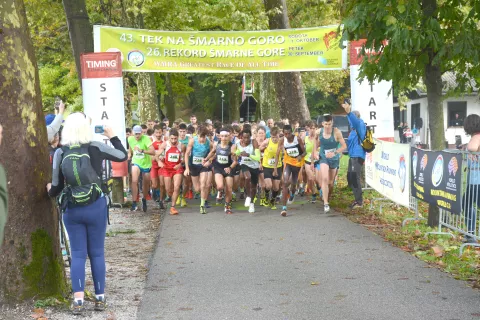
{"points": [[102, 85]]}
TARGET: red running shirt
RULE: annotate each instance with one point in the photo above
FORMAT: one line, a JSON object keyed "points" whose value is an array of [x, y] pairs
{"points": [[173, 155]]}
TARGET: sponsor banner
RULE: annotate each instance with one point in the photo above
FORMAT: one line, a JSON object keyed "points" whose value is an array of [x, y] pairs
{"points": [[436, 178], [102, 86], [387, 170], [224, 51], [374, 100]]}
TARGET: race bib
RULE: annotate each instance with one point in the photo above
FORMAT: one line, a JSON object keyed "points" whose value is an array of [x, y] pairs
{"points": [[246, 159], [271, 162], [330, 151], [173, 157], [197, 161], [222, 159], [293, 152], [138, 154]]}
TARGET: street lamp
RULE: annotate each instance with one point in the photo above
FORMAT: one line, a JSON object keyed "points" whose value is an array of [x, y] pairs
{"points": [[223, 95]]}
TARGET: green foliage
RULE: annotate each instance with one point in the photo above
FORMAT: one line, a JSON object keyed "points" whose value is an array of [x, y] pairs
{"points": [[62, 82]]}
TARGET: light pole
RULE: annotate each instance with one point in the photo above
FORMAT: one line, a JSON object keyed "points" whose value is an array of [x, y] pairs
{"points": [[223, 95]]}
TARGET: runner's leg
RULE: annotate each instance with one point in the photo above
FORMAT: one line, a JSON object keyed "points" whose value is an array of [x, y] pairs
{"points": [[135, 175], [177, 183]]}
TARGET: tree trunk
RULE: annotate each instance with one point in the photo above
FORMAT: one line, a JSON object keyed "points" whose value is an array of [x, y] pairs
{"points": [[117, 191], [433, 83], [80, 30], [30, 259], [168, 98], [127, 102], [234, 101], [290, 93], [268, 96], [147, 97]]}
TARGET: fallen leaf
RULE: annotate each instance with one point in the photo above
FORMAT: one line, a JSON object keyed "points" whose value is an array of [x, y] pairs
{"points": [[111, 316], [39, 310], [314, 283], [418, 232], [299, 253], [437, 251]]}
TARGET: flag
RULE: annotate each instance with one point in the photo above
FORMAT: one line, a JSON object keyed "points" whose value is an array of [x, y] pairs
{"points": [[243, 89]]}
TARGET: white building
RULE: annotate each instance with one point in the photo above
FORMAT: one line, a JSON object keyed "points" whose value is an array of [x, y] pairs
{"points": [[417, 107]]}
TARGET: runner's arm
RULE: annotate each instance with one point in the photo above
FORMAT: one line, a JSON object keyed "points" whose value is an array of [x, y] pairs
{"points": [[301, 146], [264, 145], [234, 157], [213, 151], [256, 152], [339, 138], [277, 155], [187, 153], [57, 175]]}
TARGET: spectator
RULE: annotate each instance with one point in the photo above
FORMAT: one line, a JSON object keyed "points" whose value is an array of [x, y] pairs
{"points": [[144, 129], [167, 123], [3, 195], [400, 132], [267, 129], [270, 123], [457, 121], [150, 124], [408, 135], [54, 122], [356, 152], [86, 218], [472, 194]]}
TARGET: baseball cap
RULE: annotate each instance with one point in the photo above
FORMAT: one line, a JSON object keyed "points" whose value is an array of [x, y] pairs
{"points": [[208, 121], [49, 118], [137, 129], [262, 123]]}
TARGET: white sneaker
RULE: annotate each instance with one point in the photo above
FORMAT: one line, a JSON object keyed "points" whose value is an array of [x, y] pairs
{"points": [[326, 208], [251, 208], [248, 201]]}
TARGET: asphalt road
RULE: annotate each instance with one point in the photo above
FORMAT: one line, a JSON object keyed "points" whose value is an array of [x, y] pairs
{"points": [[308, 265]]}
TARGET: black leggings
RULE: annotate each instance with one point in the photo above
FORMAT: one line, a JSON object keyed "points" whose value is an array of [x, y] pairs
{"points": [[354, 174]]}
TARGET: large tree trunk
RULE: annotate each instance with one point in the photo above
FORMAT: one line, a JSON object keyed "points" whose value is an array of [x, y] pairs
{"points": [[80, 30], [268, 96], [168, 98], [30, 259], [289, 85], [147, 96], [433, 82]]}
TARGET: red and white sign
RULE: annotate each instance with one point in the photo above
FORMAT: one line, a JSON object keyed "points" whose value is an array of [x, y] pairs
{"points": [[102, 85], [374, 100]]}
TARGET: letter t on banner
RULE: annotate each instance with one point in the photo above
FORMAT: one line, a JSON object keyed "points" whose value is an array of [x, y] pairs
{"points": [[372, 100], [102, 84]]}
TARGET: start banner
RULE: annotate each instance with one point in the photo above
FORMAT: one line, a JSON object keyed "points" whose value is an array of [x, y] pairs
{"points": [[224, 51], [387, 170], [437, 178]]}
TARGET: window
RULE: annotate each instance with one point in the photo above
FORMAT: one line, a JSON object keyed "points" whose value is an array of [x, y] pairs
{"points": [[396, 117], [415, 114], [457, 111]]}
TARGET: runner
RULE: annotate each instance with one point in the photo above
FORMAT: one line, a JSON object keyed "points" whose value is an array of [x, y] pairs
{"points": [[294, 153], [261, 138], [329, 140], [311, 157], [272, 182], [171, 164], [139, 151], [187, 182], [197, 167], [249, 164], [235, 131], [158, 183], [225, 161]]}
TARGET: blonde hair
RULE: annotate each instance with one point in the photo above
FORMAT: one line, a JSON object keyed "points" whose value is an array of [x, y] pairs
{"points": [[76, 130]]}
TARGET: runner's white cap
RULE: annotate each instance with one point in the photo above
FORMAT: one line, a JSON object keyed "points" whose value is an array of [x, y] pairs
{"points": [[137, 129]]}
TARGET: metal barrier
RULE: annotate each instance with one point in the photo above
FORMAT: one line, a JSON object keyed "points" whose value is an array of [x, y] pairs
{"points": [[413, 206], [467, 222]]}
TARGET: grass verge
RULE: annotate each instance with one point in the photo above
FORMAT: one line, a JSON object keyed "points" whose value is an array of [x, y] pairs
{"points": [[438, 251]]}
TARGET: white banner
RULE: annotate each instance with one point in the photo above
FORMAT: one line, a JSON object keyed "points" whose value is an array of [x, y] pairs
{"points": [[102, 86], [374, 104], [387, 170]]}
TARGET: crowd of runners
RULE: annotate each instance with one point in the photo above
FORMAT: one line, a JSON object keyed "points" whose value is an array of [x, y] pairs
{"points": [[264, 164]]}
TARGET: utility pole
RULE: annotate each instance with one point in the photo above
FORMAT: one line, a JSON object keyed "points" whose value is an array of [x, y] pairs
{"points": [[223, 95]]}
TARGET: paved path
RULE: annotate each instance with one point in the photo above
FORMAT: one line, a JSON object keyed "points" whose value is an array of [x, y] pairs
{"points": [[305, 266]]}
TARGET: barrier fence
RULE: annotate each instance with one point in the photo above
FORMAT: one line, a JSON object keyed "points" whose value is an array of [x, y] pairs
{"points": [[448, 179]]}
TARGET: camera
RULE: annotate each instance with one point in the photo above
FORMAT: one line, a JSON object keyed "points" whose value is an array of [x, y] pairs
{"points": [[347, 101], [58, 101], [99, 129]]}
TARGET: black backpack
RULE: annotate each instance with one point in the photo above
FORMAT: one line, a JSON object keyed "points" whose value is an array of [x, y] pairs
{"points": [[82, 183]]}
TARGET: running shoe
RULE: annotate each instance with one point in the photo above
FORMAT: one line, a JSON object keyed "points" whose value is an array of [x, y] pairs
{"points": [[189, 194], [291, 199], [207, 205], [161, 205], [133, 207], [78, 308], [272, 205], [179, 200], [263, 202], [284, 212], [168, 199], [144, 205], [228, 209], [326, 208], [218, 201], [197, 196], [355, 205], [251, 208], [234, 197], [183, 203], [314, 198], [100, 304], [242, 195], [301, 192], [254, 200], [173, 211], [213, 192], [248, 200], [149, 196], [203, 210]]}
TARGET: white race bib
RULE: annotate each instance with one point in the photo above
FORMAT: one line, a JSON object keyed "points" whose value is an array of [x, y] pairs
{"points": [[197, 160], [330, 151], [173, 157], [222, 159], [246, 159], [293, 152], [138, 154], [271, 162]]}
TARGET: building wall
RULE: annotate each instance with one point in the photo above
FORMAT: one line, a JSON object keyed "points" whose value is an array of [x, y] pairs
{"points": [[473, 106]]}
